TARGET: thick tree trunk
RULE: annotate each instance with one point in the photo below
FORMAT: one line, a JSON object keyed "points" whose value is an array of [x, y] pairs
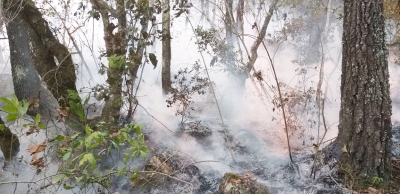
{"points": [[45, 48], [166, 48], [26, 80], [25, 77], [365, 124]]}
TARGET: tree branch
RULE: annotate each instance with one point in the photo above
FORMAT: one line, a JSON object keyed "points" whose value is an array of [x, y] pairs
{"points": [[103, 8], [260, 37]]}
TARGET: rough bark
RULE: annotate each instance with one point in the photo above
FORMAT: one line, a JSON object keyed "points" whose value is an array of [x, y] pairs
{"points": [[166, 48], [26, 80], [9, 143], [365, 123], [115, 45], [45, 47]]}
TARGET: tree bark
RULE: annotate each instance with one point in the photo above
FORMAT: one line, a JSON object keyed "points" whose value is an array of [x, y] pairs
{"points": [[239, 18], [9, 143], [364, 122], [26, 80], [45, 48], [166, 48], [260, 37], [229, 22], [115, 45]]}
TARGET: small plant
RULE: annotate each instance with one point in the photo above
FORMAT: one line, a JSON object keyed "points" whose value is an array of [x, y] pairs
{"points": [[377, 180], [183, 88], [14, 108], [81, 152]]}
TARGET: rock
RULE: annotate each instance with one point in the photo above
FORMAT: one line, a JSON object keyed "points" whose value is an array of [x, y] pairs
{"points": [[166, 171], [196, 129], [241, 184]]}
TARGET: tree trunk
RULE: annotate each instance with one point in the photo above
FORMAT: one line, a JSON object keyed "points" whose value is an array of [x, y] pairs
{"points": [[26, 80], [229, 23], [260, 37], [45, 48], [364, 122], [9, 142], [239, 18], [166, 48], [115, 46]]}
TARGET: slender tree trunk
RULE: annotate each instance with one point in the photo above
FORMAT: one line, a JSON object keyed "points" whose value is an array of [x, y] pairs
{"points": [[260, 37], [1, 14], [166, 48], [115, 46], [239, 18], [364, 122], [229, 23], [9, 143]]}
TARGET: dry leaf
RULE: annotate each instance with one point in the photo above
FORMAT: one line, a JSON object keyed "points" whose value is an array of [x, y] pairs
{"points": [[62, 113], [33, 103], [31, 130], [38, 163], [344, 149], [36, 148], [315, 146]]}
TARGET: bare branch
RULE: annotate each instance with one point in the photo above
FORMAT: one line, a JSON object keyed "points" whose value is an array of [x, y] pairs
{"points": [[260, 37]]}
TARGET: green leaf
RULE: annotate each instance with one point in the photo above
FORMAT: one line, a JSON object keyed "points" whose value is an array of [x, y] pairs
{"points": [[141, 139], [96, 137], [59, 138], [88, 130], [88, 158], [10, 109], [8, 102], [115, 145], [86, 101], [74, 136], [138, 129], [67, 187], [22, 108], [42, 126], [121, 171], [153, 59], [116, 61], [12, 117], [59, 178], [133, 143], [78, 179], [2, 127], [66, 156], [37, 119], [126, 158]]}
